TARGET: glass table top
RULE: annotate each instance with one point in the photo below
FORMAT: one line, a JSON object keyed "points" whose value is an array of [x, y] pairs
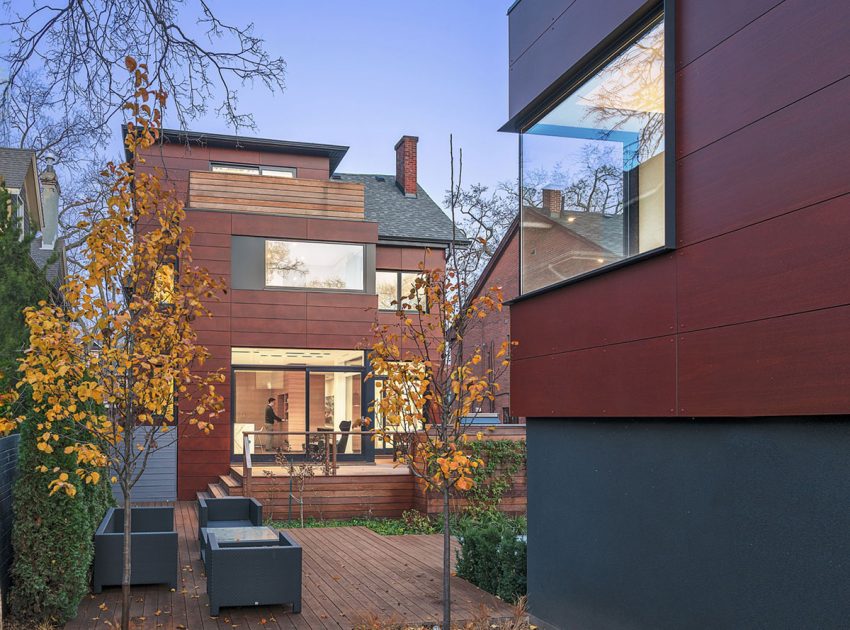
{"points": [[242, 534]]}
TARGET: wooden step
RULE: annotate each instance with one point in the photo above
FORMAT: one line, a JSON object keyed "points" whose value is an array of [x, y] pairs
{"points": [[231, 486], [217, 491]]}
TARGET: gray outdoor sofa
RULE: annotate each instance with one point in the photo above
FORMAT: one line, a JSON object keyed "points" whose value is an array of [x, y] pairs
{"points": [[253, 573], [153, 548], [228, 512]]}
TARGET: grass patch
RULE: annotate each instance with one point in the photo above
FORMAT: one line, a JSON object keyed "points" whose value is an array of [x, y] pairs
{"points": [[411, 522]]}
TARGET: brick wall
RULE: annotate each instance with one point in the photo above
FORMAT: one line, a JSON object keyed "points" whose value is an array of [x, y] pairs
{"points": [[496, 328], [8, 472]]}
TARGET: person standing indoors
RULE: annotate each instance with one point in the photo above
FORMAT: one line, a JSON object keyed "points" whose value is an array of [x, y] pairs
{"points": [[271, 418]]}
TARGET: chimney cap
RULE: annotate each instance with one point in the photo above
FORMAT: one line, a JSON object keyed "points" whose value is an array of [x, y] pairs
{"points": [[403, 138]]}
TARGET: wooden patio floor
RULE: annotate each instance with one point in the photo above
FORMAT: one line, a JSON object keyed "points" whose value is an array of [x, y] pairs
{"points": [[349, 574]]}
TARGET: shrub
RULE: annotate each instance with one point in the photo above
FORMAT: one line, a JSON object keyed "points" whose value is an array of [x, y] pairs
{"points": [[52, 536], [493, 554]]}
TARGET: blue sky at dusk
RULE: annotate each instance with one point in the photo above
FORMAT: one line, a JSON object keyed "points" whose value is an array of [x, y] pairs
{"points": [[363, 74]]}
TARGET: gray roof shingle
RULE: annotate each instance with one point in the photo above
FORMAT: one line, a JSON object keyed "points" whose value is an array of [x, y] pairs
{"points": [[401, 218], [13, 166]]}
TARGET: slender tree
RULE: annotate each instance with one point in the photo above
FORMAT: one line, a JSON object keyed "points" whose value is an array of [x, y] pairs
{"points": [[434, 380], [124, 339], [62, 87]]}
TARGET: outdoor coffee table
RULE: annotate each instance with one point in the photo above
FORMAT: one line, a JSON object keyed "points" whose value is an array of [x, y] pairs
{"points": [[237, 534]]}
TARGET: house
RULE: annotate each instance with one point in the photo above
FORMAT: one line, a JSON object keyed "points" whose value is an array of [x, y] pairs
{"points": [[35, 199], [312, 257], [682, 365]]}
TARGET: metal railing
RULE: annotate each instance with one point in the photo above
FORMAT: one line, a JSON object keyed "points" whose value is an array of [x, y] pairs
{"points": [[323, 443]]}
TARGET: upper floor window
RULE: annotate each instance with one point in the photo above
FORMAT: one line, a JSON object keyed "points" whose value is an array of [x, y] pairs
{"points": [[307, 264], [395, 289], [250, 169], [593, 169]]}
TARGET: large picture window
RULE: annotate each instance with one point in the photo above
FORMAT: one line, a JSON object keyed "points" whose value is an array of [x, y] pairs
{"points": [[593, 169], [303, 264]]}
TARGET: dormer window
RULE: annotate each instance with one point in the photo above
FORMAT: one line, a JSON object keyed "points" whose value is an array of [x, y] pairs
{"points": [[251, 169]]}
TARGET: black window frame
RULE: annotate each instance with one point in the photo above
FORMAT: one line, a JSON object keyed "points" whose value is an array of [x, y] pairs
{"points": [[398, 273], [616, 41]]}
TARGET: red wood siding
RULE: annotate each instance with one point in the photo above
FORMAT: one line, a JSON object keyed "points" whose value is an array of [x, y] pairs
{"points": [[274, 318], [750, 315]]}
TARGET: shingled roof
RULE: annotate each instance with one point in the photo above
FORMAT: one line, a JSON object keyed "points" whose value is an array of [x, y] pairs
{"points": [[400, 218], [14, 164]]}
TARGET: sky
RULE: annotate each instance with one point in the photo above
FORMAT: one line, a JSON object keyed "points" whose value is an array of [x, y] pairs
{"points": [[363, 74]]}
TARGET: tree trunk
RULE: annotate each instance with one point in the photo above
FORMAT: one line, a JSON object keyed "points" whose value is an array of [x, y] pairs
{"points": [[447, 563], [125, 578]]}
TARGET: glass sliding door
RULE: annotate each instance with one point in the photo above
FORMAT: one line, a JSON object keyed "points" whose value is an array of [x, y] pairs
{"points": [[301, 390]]}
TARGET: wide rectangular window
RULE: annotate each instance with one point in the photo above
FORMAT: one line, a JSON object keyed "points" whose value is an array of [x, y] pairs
{"points": [[395, 289], [593, 169], [311, 265], [251, 169]]}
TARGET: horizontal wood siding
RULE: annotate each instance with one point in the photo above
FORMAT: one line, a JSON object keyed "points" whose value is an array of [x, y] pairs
{"points": [[275, 195], [159, 481], [748, 316]]}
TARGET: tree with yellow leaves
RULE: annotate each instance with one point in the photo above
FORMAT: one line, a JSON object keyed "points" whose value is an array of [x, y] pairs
{"points": [[433, 381], [109, 365]]}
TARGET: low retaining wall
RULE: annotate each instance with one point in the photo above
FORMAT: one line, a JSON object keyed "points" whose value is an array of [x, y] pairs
{"points": [[8, 474], [514, 501]]}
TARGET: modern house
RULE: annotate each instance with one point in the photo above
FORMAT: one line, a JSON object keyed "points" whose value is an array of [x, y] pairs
{"points": [[683, 315], [312, 258], [35, 200]]}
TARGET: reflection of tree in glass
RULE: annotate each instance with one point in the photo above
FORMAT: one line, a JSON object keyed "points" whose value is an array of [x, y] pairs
{"points": [[595, 184], [631, 93], [327, 283], [280, 263]]}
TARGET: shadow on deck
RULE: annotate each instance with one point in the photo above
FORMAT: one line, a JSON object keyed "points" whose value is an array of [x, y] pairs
{"points": [[349, 574]]}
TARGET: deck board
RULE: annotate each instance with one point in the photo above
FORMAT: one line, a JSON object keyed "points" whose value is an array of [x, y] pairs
{"points": [[349, 574]]}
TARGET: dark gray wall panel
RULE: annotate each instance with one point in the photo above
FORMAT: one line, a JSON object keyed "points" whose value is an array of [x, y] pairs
{"points": [[705, 524], [529, 19], [8, 473], [248, 262], [564, 43]]}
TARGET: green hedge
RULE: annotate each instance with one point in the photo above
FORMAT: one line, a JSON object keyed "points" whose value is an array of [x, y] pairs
{"points": [[52, 536], [493, 554]]}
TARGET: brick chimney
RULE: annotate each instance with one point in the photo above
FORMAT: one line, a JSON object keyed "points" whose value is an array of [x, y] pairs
{"points": [[405, 165], [553, 202]]}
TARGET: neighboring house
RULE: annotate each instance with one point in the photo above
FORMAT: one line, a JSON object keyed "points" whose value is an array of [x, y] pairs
{"points": [[35, 200], [683, 368], [312, 258]]}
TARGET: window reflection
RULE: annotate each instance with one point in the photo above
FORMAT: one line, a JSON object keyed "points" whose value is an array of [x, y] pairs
{"points": [[593, 169], [314, 265]]}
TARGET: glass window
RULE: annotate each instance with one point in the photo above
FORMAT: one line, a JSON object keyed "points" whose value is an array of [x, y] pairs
{"points": [[386, 283], [593, 169], [249, 169], [283, 357], [394, 290], [303, 264]]}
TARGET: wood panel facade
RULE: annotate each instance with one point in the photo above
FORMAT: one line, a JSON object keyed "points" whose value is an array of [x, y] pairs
{"points": [[745, 317], [276, 195]]}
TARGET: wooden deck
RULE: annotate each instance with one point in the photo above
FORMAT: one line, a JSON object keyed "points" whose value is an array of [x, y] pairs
{"points": [[350, 574]]}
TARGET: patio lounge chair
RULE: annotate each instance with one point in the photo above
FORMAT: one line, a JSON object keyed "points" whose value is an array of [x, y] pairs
{"points": [[253, 573], [229, 512]]}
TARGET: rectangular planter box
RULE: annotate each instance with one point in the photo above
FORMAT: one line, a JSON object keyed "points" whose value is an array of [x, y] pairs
{"points": [[253, 573], [153, 548]]}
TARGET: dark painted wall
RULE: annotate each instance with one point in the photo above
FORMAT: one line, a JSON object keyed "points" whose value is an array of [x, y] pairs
{"points": [[8, 473], [749, 316], [707, 524]]}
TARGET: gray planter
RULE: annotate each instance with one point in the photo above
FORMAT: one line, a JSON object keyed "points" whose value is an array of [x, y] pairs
{"points": [[153, 548], [253, 573]]}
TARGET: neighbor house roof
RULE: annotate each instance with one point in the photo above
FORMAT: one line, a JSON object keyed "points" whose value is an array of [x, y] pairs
{"points": [[401, 218], [14, 165]]}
